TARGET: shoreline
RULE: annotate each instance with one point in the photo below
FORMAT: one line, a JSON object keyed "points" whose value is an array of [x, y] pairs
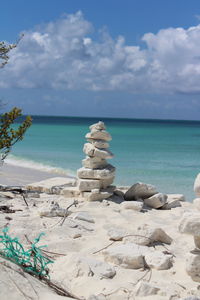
{"points": [[15, 175]]}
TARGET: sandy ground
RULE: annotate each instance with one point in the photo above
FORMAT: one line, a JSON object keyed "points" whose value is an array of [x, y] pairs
{"points": [[14, 175], [83, 264]]}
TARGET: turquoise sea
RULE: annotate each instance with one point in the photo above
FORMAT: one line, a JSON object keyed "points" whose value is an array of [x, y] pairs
{"points": [[163, 153]]}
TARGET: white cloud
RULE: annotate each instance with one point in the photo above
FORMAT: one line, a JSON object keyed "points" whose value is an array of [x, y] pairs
{"points": [[63, 55]]}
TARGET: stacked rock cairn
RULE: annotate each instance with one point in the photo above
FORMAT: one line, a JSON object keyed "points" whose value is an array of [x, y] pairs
{"points": [[96, 175]]}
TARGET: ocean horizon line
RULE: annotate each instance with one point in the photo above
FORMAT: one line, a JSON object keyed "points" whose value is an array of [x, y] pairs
{"points": [[152, 120]]}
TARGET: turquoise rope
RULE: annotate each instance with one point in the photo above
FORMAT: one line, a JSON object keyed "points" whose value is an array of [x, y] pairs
{"points": [[32, 260]]}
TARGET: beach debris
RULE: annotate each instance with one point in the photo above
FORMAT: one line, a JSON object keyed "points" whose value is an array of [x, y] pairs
{"points": [[140, 190], [96, 176], [52, 185], [6, 209], [83, 216], [197, 186], [15, 190], [156, 201]]}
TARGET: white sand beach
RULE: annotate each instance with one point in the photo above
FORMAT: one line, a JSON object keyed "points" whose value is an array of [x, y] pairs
{"points": [[84, 263]]}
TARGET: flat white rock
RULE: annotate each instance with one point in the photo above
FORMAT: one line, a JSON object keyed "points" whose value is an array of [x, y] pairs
{"points": [[129, 256], [156, 201], [83, 216], [99, 135], [98, 126], [94, 162], [48, 184], [144, 289], [147, 235], [99, 143], [116, 234], [98, 268], [104, 173], [190, 224], [133, 205], [140, 191], [91, 150], [179, 197], [158, 260], [197, 186], [193, 266]]}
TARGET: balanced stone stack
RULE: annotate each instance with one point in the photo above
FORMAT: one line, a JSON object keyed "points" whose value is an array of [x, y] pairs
{"points": [[96, 175]]}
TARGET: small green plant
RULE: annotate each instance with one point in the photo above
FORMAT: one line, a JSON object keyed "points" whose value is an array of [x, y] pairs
{"points": [[8, 135], [32, 260]]}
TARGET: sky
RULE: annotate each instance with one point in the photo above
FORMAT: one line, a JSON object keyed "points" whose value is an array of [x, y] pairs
{"points": [[108, 58]]}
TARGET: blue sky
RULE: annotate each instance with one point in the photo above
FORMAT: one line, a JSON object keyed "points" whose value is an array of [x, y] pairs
{"points": [[137, 59]]}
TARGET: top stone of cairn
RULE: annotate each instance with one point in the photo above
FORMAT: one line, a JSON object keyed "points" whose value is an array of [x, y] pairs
{"points": [[98, 126], [97, 132]]}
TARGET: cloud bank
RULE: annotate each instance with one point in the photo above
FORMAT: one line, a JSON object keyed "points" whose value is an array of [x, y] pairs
{"points": [[63, 55]]}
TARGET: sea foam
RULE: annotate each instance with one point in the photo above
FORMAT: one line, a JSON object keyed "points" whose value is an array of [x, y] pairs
{"points": [[30, 164]]}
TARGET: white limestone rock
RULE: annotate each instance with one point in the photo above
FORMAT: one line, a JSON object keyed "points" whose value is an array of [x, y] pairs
{"points": [[90, 150], [158, 260], [197, 186], [98, 268], [147, 235], [156, 201], [171, 204], [197, 241], [178, 197], [98, 195], [94, 162], [133, 205], [196, 203], [47, 185], [140, 191], [54, 211], [98, 126], [99, 143], [104, 173], [116, 234], [144, 288], [83, 216], [86, 185], [99, 135], [70, 192], [129, 256], [190, 224], [193, 266]]}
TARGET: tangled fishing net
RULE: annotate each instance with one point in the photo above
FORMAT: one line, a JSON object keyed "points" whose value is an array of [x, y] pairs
{"points": [[32, 260]]}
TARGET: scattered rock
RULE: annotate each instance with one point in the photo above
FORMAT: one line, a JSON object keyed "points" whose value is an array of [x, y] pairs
{"points": [[70, 192], [197, 186], [156, 201], [48, 185], [83, 216], [193, 266], [116, 234], [129, 256], [197, 241], [144, 289], [190, 224], [140, 191], [158, 260], [98, 268], [147, 235], [134, 205], [171, 204], [196, 203], [55, 211], [179, 197], [119, 193]]}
